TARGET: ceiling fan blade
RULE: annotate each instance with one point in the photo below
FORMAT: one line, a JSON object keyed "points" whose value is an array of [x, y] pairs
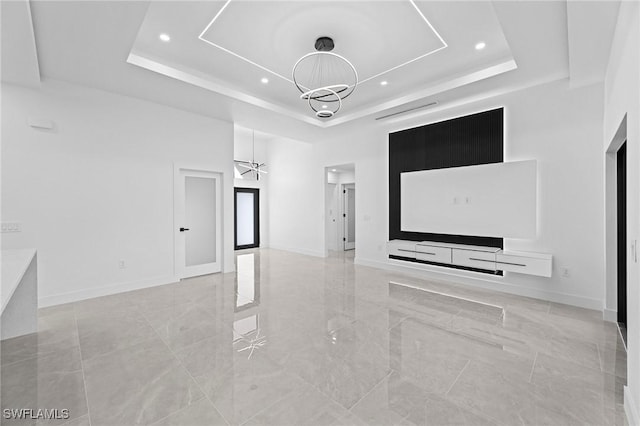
{"points": [[244, 173], [262, 171], [246, 167]]}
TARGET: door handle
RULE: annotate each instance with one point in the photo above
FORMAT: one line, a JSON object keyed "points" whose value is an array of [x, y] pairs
{"points": [[184, 229]]}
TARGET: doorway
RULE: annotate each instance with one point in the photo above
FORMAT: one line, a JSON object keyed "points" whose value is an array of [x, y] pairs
{"points": [[198, 218], [340, 210], [621, 212], [246, 228]]}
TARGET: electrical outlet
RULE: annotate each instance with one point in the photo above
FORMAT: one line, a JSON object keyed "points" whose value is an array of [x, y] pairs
{"points": [[122, 264], [566, 273], [11, 227]]}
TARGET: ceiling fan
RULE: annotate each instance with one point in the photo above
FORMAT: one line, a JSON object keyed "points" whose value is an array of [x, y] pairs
{"points": [[252, 166]]}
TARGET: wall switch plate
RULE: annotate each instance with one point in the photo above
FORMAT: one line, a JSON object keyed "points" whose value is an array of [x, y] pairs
{"points": [[122, 264], [566, 273], [11, 227]]}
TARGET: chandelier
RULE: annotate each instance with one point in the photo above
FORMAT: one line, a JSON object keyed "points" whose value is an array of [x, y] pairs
{"points": [[251, 166], [324, 78]]}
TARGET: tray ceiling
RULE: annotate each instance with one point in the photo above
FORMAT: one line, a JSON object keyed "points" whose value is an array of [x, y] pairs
{"points": [[419, 49]]}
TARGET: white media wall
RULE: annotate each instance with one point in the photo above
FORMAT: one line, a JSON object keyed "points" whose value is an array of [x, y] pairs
{"points": [[559, 127], [488, 200], [97, 190]]}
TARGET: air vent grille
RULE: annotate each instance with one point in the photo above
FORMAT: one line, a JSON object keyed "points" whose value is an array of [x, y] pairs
{"points": [[430, 104]]}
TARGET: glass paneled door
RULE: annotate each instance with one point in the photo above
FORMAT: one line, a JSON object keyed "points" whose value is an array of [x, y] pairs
{"points": [[198, 215], [247, 218]]}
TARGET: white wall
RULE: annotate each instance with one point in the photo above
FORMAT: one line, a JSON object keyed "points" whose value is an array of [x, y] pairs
{"points": [[307, 163], [296, 197], [559, 127], [244, 150], [622, 97], [99, 187]]}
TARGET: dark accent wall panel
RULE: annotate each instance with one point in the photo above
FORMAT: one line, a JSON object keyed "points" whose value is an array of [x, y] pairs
{"points": [[464, 141]]}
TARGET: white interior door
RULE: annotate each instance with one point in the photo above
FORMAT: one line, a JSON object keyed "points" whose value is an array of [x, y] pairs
{"points": [[198, 230], [349, 203]]}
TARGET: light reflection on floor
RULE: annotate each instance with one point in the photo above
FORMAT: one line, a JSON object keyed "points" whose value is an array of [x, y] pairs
{"points": [[291, 339]]}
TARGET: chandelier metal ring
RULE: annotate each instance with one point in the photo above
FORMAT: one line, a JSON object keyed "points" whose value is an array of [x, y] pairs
{"points": [[323, 113], [346, 89], [334, 90]]}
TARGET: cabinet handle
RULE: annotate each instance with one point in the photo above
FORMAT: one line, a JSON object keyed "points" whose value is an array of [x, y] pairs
{"points": [[497, 261], [424, 252], [409, 251], [482, 260], [510, 263]]}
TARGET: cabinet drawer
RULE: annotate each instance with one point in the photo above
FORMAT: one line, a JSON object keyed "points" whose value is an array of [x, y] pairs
{"points": [[402, 248], [524, 265], [433, 253], [475, 259]]}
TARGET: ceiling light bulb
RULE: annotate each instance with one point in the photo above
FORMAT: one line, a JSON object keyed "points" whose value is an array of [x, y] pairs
{"points": [[324, 107], [384, 83], [264, 80], [165, 37], [333, 170], [481, 45]]}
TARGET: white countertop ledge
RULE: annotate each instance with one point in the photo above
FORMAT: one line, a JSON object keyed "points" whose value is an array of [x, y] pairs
{"points": [[14, 264]]}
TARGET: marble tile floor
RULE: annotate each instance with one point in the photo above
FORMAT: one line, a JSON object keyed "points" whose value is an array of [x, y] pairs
{"points": [[297, 340]]}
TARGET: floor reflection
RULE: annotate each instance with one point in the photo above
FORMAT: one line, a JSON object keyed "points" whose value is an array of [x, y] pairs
{"points": [[290, 339], [247, 283]]}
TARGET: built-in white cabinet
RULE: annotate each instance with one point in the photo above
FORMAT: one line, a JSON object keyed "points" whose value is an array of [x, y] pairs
{"points": [[524, 263], [478, 257], [433, 253], [402, 248], [475, 258]]}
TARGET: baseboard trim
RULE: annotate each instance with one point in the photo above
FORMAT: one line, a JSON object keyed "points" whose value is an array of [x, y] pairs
{"points": [[630, 408], [472, 281], [610, 315], [90, 293], [306, 252]]}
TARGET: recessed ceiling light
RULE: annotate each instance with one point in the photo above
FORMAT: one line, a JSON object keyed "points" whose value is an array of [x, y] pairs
{"points": [[384, 83], [481, 45], [164, 37], [264, 80]]}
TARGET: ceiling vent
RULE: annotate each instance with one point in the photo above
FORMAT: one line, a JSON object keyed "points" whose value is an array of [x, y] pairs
{"points": [[384, 117]]}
